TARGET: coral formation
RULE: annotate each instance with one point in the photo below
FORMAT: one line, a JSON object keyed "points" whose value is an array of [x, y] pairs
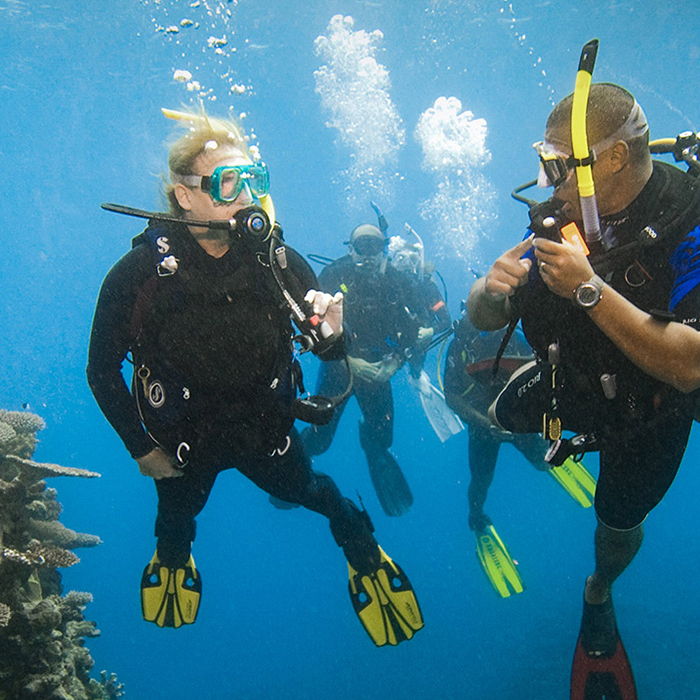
{"points": [[42, 632]]}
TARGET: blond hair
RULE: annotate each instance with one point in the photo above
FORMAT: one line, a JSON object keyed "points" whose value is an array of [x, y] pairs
{"points": [[202, 134]]}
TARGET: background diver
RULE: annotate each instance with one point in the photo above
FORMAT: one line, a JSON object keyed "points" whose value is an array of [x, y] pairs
{"points": [[380, 328], [203, 307], [470, 388], [407, 255]]}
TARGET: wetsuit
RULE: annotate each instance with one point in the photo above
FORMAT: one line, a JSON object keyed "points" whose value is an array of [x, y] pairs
{"points": [[470, 388], [432, 313], [641, 428], [214, 378], [379, 322]]}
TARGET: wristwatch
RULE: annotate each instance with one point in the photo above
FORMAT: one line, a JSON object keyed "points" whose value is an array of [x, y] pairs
{"points": [[589, 293]]}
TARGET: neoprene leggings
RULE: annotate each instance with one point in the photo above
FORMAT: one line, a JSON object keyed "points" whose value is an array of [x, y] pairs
{"points": [[375, 400], [638, 461], [286, 474]]}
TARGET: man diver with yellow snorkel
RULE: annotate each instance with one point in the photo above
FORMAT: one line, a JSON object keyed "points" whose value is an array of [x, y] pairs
{"points": [[202, 304], [613, 319]]}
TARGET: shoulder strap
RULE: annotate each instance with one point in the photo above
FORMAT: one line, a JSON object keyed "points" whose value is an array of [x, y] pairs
{"points": [[680, 195]]}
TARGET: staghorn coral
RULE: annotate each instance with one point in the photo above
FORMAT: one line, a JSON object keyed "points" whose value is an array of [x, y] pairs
{"points": [[42, 632], [23, 421], [54, 557], [5, 614], [27, 558], [7, 433]]}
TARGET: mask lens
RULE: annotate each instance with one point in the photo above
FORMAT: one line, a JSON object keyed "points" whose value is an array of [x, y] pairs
{"points": [[258, 179], [228, 181], [406, 260], [367, 245], [230, 184], [555, 167]]}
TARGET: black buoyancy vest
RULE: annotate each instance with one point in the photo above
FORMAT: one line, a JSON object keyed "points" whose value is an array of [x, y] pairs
{"points": [[213, 336], [639, 270]]}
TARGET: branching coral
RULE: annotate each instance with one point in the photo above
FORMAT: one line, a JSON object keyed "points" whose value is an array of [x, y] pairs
{"points": [[41, 470], [5, 614], [23, 421], [42, 633], [54, 533]]}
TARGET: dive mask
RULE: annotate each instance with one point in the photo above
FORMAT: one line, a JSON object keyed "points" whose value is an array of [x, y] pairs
{"points": [[554, 166], [406, 260], [227, 181], [367, 246]]}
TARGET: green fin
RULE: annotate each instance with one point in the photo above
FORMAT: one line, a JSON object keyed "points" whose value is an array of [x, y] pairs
{"points": [[498, 565], [576, 480], [385, 602], [170, 597]]}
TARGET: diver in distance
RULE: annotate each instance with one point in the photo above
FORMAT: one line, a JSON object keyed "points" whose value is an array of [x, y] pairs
{"points": [[613, 318], [407, 255], [202, 305], [473, 379], [380, 327]]}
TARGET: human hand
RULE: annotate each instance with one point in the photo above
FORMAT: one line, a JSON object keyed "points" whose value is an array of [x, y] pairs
{"points": [[562, 266], [388, 367], [158, 465], [329, 309], [509, 271], [425, 335], [361, 369]]}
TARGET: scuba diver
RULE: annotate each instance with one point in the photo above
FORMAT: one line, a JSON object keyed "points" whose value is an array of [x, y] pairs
{"points": [[202, 304], [432, 312], [380, 328], [434, 324], [470, 386], [615, 333]]}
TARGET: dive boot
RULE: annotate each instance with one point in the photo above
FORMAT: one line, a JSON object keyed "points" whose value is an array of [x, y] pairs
{"points": [[170, 597]]}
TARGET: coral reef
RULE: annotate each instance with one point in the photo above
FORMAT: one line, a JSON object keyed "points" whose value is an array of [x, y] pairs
{"points": [[42, 632]]}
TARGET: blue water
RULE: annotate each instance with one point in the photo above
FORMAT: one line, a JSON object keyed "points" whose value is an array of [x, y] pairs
{"points": [[81, 90]]}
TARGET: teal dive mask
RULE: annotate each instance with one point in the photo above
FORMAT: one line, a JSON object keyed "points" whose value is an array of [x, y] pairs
{"points": [[227, 181]]}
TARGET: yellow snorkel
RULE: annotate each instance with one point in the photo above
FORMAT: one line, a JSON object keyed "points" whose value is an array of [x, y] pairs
{"points": [[579, 138], [265, 200]]}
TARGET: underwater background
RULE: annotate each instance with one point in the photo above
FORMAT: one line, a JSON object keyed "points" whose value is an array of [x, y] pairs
{"points": [[428, 109]]}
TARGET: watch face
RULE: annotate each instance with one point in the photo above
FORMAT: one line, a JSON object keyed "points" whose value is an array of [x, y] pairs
{"points": [[587, 295]]}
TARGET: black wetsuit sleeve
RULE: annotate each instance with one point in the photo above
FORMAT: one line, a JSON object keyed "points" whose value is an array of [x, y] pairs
{"points": [[330, 278], [110, 341]]}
